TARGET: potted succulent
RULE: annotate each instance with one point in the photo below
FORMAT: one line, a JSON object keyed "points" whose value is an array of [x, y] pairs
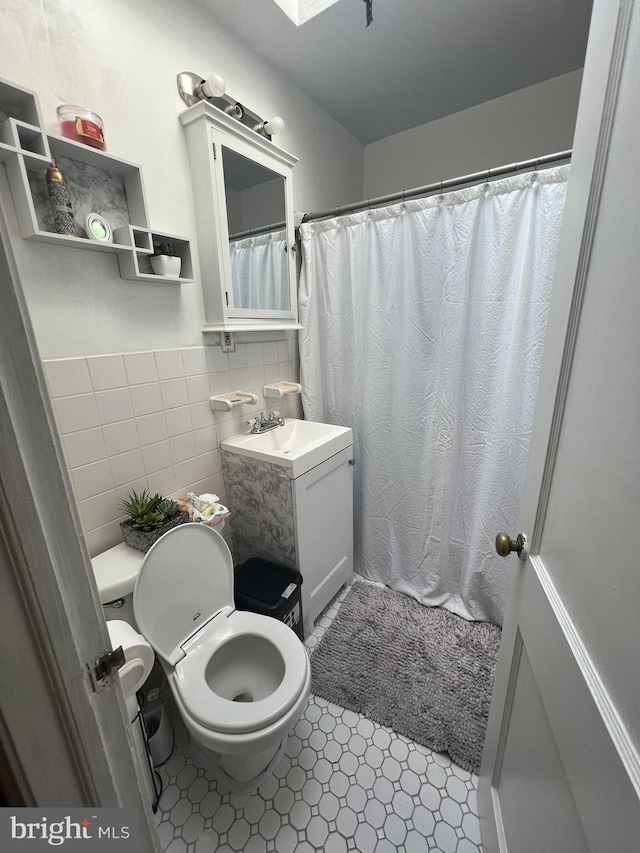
{"points": [[149, 518], [165, 261]]}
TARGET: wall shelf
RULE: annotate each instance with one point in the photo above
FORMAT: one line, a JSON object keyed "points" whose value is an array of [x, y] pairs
{"points": [[225, 402], [279, 389], [98, 183]]}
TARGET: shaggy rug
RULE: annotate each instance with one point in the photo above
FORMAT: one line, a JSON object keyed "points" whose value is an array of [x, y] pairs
{"points": [[423, 671]]}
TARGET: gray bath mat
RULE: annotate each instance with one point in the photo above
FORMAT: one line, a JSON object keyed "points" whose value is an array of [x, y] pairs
{"points": [[422, 671]]}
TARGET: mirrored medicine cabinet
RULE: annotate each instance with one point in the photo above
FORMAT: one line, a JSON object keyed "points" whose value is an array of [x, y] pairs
{"points": [[243, 195]]}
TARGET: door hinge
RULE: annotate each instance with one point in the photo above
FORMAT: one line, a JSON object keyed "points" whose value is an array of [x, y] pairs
{"points": [[104, 667], [215, 155]]}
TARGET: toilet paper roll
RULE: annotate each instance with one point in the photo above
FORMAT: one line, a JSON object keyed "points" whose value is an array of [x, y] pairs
{"points": [[138, 655]]}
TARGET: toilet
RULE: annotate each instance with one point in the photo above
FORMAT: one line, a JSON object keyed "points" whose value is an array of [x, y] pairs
{"points": [[240, 680]]}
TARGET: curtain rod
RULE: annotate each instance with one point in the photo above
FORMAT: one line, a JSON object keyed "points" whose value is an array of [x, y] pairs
{"points": [[440, 186], [263, 229]]}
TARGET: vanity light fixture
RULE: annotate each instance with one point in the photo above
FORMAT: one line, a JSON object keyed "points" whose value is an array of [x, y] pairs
{"points": [[192, 89]]}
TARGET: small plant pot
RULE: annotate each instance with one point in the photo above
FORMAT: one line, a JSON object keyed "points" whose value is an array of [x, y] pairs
{"points": [[142, 540], [166, 265]]}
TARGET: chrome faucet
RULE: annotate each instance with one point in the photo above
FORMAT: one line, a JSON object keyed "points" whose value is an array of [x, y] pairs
{"points": [[264, 424]]}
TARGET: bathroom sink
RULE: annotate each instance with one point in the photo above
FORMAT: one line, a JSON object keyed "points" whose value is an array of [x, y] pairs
{"points": [[297, 446]]}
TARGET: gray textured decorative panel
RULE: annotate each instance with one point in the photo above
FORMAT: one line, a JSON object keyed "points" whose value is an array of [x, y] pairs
{"points": [[92, 190], [259, 497]]}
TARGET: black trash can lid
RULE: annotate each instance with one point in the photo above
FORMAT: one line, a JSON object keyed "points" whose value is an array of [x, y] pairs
{"points": [[264, 581]]}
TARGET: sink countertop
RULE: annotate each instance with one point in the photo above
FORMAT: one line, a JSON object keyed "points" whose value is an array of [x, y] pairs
{"points": [[297, 446]]}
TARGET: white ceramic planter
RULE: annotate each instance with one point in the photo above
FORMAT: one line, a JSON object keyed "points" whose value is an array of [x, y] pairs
{"points": [[166, 265]]}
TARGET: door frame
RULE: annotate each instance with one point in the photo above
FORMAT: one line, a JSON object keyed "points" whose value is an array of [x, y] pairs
{"points": [[62, 743], [607, 46]]}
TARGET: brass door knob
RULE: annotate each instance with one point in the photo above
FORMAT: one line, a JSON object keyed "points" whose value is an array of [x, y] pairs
{"points": [[505, 545]]}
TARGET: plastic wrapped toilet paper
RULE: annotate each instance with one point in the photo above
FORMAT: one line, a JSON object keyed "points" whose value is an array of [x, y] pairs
{"points": [[138, 655]]}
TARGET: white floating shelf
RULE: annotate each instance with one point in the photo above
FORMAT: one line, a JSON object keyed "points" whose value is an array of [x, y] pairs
{"points": [[225, 402], [279, 389]]}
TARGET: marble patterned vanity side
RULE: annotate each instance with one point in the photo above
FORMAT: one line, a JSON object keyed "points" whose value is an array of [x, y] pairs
{"points": [[259, 497], [92, 190]]}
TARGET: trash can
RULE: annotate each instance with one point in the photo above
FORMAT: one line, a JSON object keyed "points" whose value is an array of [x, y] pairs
{"points": [[270, 589]]}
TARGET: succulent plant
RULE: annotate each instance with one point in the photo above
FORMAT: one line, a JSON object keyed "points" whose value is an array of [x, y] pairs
{"points": [[164, 249], [147, 512], [149, 521], [168, 507]]}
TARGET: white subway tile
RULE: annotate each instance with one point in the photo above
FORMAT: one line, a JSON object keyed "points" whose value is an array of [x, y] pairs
{"points": [[205, 439], [271, 373], [107, 371], [124, 491], [169, 363], [182, 447], [76, 413], [220, 382], [146, 398], [207, 464], [205, 486], [99, 510], [178, 420], [151, 428], [67, 376], [141, 367], [120, 437], [217, 360], [114, 405], [187, 472], [162, 482], [126, 467], [201, 415], [156, 457], [270, 351], [239, 379], [238, 358], [174, 393], [195, 361], [102, 538], [256, 377], [254, 355], [92, 479], [198, 388], [82, 448], [283, 351]]}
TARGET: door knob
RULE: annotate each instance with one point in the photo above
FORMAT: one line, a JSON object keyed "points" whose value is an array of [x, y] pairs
{"points": [[505, 545]]}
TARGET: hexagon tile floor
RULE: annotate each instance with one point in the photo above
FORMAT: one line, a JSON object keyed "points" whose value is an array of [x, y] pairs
{"points": [[345, 783]]}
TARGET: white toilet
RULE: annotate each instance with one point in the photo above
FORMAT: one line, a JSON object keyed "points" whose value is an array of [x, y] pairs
{"points": [[240, 680]]}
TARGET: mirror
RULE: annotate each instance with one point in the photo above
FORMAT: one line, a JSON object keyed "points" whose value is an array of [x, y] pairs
{"points": [[255, 202]]}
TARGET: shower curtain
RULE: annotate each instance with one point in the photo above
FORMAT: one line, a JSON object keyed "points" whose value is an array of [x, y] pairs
{"points": [[424, 328], [259, 272]]}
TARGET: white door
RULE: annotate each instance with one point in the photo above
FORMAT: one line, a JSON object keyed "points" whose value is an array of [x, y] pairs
{"points": [[561, 766], [61, 742]]}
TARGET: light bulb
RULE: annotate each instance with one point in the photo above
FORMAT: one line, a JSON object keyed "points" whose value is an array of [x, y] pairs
{"points": [[214, 86], [274, 125]]}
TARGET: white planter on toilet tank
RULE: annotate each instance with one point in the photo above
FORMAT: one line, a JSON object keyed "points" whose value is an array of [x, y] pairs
{"points": [[240, 680]]}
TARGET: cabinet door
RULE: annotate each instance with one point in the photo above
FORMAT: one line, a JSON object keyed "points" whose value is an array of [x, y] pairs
{"points": [[323, 510]]}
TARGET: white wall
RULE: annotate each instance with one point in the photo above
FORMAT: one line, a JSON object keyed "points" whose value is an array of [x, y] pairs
{"points": [[529, 123], [120, 59]]}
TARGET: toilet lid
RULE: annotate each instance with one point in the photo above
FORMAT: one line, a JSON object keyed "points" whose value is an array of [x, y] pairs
{"points": [[185, 579]]}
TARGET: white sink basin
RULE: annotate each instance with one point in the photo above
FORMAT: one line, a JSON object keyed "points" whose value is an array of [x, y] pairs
{"points": [[297, 446]]}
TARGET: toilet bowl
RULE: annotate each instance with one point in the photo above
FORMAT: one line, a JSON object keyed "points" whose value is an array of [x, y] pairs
{"points": [[240, 680]]}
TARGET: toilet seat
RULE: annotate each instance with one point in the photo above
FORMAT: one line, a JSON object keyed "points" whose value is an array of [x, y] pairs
{"points": [[185, 579], [222, 714], [183, 604]]}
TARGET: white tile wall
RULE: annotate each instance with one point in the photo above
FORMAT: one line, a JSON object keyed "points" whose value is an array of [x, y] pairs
{"points": [[143, 420]]}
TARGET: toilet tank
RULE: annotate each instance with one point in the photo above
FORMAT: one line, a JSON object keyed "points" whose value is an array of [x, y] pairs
{"points": [[115, 572]]}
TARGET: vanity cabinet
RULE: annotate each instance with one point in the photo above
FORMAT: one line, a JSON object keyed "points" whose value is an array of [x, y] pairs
{"points": [[304, 523], [243, 196]]}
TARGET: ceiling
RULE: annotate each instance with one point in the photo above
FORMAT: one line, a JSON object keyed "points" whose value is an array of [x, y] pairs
{"points": [[419, 60]]}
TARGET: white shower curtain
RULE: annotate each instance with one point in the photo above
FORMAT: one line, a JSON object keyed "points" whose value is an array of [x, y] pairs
{"points": [[259, 272], [424, 328]]}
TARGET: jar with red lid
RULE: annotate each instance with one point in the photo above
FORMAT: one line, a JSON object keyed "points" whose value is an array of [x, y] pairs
{"points": [[81, 125]]}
